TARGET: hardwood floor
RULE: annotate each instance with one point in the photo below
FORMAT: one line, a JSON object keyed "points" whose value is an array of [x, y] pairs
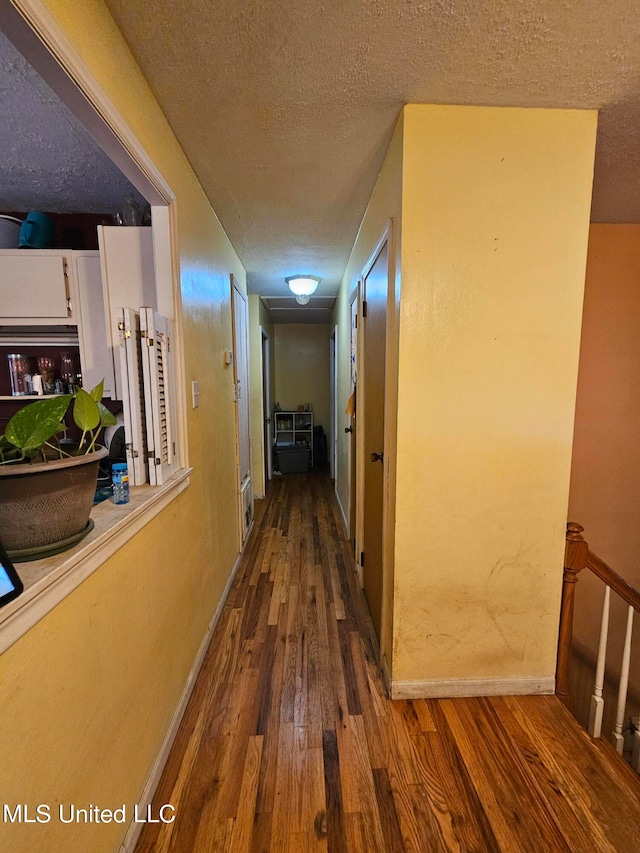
{"points": [[290, 745]]}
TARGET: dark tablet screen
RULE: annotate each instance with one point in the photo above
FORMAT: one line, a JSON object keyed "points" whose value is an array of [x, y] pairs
{"points": [[10, 583]]}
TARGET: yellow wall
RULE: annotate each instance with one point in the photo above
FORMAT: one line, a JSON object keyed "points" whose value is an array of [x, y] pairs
{"points": [[494, 238], [258, 320], [88, 693], [302, 368], [384, 208]]}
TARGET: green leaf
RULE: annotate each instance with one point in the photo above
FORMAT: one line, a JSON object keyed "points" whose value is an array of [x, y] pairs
{"points": [[37, 422], [86, 413], [96, 393], [106, 417]]}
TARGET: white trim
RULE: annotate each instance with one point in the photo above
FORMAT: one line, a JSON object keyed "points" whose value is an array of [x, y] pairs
{"points": [[57, 61], [451, 688], [48, 582], [333, 379], [145, 799]]}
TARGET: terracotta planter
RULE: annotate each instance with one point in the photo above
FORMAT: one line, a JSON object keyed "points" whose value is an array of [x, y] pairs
{"points": [[45, 503]]}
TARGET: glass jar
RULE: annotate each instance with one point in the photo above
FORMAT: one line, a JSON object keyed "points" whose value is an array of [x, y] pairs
{"points": [[47, 369], [67, 372], [19, 374]]}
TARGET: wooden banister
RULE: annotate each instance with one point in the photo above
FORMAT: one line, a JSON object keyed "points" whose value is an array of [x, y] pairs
{"points": [[577, 557], [575, 560], [614, 580]]}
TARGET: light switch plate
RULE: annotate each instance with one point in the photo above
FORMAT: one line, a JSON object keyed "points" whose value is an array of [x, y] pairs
{"points": [[195, 393]]}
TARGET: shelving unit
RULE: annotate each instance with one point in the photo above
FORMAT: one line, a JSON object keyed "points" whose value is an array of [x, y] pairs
{"points": [[294, 428], [27, 398]]}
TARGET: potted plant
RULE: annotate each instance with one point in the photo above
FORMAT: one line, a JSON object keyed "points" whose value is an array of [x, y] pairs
{"points": [[47, 485]]}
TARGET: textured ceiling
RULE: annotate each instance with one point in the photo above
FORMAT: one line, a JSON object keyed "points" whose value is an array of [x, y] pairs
{"points": [[285, 109], [49, 162]]}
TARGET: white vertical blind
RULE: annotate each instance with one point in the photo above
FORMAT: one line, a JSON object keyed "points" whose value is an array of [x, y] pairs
{"points": [[158, 381], [131, 370]]}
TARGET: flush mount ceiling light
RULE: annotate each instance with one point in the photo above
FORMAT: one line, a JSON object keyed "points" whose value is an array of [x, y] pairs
{"points": [[302, 300], [303, 285]]}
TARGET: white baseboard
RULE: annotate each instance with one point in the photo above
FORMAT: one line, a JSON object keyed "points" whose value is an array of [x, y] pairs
{"points": [[451, 688], [134, 830]]}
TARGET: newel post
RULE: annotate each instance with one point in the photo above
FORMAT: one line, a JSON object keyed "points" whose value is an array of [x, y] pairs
{"points": [[575, 559]]}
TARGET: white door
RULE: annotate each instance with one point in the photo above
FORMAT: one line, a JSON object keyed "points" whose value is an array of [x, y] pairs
{"points": [[241, 376]]}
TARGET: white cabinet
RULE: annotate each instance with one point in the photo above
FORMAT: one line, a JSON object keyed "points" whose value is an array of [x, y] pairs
{"points": [[36, 287], [64, 287], [96, 355], [128, 280]]}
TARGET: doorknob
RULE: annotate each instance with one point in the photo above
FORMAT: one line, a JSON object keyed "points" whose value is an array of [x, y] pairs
{"points": [[348, 429], [377, 457]]}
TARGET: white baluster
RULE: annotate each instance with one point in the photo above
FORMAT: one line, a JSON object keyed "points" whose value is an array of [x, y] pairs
{"points": [[597, 702], [635, 757], [616, 737]]}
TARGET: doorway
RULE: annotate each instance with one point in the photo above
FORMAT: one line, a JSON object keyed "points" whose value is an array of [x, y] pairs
{"points": [[375, 288]]}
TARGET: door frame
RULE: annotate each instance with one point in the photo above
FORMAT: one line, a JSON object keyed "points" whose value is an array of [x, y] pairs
{"points": [[267, 405], [390, 435], [353, 462], [333, 379], [240, 347]]}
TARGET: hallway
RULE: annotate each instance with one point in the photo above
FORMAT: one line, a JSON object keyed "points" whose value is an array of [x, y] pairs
{"points": [[289, 743]]}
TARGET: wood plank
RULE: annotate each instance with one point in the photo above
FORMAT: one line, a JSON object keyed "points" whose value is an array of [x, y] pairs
{"points": [[424, 715], [374, 728], [387, 812], [243, 825], [333, 794], [356, 777], [283, 785], [350, 680]]}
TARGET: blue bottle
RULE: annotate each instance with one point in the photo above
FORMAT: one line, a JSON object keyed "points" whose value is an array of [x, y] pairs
{"points": [[120, 480]]}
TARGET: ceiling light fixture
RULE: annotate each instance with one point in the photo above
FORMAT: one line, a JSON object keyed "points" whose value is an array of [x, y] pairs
{"points": [[303, 285], [302, 300]]}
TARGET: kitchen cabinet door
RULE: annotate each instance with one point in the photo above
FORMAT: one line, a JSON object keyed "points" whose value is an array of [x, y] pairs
{"points": [[128, 279], [35, 287], [96, 355]]}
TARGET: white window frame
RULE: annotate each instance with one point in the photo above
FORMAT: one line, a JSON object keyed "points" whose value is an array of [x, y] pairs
{"points": [[57, 61]]}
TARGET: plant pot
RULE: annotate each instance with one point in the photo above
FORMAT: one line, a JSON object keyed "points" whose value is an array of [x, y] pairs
{"points": [[44, 503]]}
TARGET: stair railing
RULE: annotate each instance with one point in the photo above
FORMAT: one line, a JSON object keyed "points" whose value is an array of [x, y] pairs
{"points": [[579, 557]]}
